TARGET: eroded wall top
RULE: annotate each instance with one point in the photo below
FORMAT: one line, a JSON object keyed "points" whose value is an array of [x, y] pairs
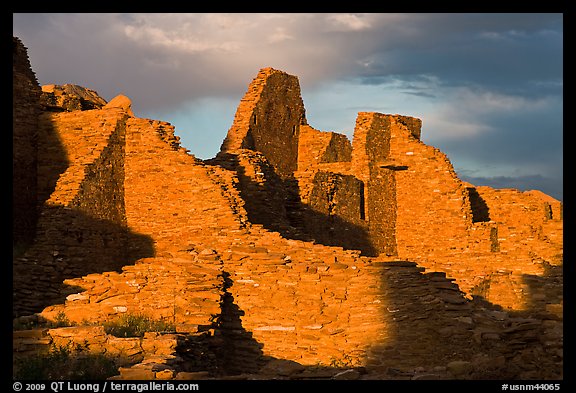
{"points": [[268, 120]]}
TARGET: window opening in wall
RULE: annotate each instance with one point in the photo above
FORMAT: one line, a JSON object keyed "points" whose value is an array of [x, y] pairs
{"points": [[362, 212], [548, 211], [294, 130]]}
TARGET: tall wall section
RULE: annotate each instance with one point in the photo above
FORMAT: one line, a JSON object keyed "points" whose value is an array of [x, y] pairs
{"points": [[529, 222], [433, 208], [370, 162], [81, 227], [268, 120], [332, 197], [25, 111], [264, 194], [170, 195], [117, 183]]}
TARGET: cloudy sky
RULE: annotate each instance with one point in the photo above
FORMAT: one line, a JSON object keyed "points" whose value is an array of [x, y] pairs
{"points": [[488, 87]]}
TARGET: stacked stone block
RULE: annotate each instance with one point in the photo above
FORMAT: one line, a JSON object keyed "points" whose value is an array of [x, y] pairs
{"points": [[268, 120], [195, 248], [81, 227], [25, 111]]}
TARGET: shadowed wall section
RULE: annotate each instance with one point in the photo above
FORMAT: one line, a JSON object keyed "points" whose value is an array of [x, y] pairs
{"points": [[268, 120], [82, 224], [25, 111]]}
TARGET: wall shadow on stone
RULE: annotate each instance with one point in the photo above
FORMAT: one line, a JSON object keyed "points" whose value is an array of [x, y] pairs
{"points": [[46, 175], [431, 319], [25, 111], [480, 210], [241, 356], [53, 159], [79, 245], [239, 352], [89, 235], [545, 292], [275, 204], [430, 324], [431, 332]]}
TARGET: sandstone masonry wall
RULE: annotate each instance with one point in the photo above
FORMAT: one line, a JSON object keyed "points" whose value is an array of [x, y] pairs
{"points": [[528, 222], [262, 191], [70, 98], [316, 147], [370, 162], [336, 214], [268, 120], [183, 291], [81, 227], [433, 209], [152, 357], [25, 112], [170, 195], [246, 300]]}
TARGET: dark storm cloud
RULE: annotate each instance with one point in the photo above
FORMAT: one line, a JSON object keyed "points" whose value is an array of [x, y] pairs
{"points": [[509, 53], [525, 137], [94, 50], [165, 59], [488, 86]]}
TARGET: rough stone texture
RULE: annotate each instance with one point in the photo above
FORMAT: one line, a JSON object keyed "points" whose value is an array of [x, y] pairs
{"points": [[122, 102], [170, 195], [316, 147], [263, 192], [70, 98], [25, 111], [82, 224], [268, 119], [362, 260]]}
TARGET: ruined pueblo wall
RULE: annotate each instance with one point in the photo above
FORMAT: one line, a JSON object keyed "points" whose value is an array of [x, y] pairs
{"points": [[528, 222], [268, 120], [319, 147], [263, 192], [335, 214], [433, 208], [25, 112], [170, 195], [81, 227], [370, 162], [131, 223], [333, 197], [184, 292]]}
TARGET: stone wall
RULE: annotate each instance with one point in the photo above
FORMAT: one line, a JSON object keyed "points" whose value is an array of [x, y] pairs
{"points": [[433, 208], [82, 224], [184, 292], [316, 147], [153, 356], [25, 111], [132, 224], [268, 120], [335, 213], [169, 195], [263, 192], [371, 163], [69, 98], [528, 222]]}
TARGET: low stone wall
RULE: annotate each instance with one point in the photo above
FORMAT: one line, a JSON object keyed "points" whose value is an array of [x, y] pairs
{"points": [[185, 292], [153, 356]]}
